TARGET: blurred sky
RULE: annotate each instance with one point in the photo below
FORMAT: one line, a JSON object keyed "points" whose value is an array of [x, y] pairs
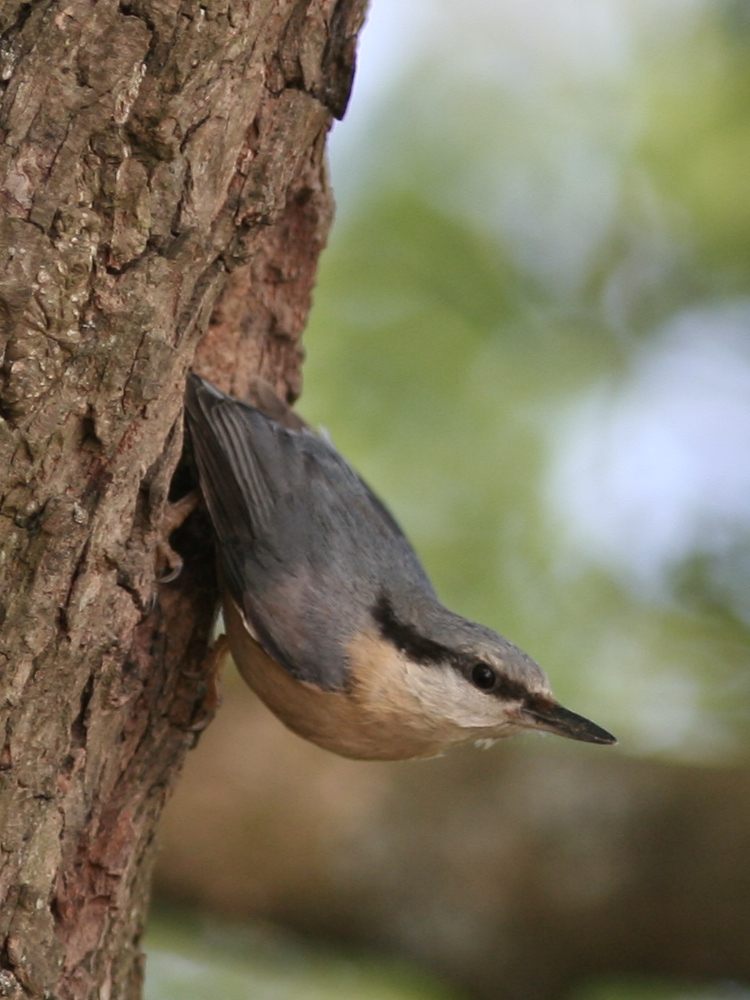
{"points": [[532, 334]]}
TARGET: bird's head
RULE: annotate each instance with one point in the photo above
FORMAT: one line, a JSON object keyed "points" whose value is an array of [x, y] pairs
{"points": [[445, 680]]}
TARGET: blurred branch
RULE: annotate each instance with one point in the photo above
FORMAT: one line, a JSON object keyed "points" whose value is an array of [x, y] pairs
{"points": [[518, 872]]}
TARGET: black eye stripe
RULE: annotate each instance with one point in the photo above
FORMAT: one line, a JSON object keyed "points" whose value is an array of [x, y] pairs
{"points": [[426, 651], [488, 678], [406, 638], [510, 689]]}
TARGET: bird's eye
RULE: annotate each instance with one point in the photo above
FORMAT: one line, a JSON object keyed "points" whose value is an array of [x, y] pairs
{"points": [[483, 677]]}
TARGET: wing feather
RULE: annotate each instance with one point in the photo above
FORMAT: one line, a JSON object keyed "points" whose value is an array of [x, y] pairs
{"points": [[306, 548]]}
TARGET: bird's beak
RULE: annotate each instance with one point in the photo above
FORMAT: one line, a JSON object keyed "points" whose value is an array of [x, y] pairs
{"points": [[553, 718]]}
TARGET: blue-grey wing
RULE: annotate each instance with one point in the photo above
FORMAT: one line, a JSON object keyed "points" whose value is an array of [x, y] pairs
{"points": [[306, 549]]}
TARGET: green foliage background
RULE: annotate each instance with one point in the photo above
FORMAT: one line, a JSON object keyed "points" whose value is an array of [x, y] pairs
{"points": [[443, 353]]}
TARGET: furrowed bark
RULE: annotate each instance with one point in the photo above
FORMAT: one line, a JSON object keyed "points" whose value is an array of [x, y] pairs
{"points": [[162, 163]]}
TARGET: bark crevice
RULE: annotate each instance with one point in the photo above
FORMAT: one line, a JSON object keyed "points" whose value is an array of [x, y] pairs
{"points": [[156, 200]]}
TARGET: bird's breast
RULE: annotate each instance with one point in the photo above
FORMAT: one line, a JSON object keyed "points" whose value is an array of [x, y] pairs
{"points": [[373, 718]]}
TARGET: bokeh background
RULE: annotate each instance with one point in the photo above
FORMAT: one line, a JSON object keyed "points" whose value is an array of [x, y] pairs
{"points": [[531, 334]]}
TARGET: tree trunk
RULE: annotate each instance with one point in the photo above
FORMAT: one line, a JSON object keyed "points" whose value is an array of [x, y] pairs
{"points": [[161, 167]]}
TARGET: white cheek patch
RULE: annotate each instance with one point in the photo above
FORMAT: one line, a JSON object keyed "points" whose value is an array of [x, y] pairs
{"points": [[444, 694]]}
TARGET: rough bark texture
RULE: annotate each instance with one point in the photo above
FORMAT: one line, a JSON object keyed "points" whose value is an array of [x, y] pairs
{"points": [[162, 160]]}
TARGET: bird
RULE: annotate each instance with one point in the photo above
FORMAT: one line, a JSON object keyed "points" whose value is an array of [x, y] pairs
{"points": [[329, 614]]}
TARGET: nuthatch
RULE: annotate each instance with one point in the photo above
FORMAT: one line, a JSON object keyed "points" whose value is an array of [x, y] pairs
{"points": [[331, 618]]}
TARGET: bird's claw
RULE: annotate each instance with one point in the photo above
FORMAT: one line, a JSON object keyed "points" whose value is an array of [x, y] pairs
{"points": [[175, 515]]}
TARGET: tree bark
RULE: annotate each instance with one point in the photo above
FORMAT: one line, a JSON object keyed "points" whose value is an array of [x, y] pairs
{"points": [[161, 173]]}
